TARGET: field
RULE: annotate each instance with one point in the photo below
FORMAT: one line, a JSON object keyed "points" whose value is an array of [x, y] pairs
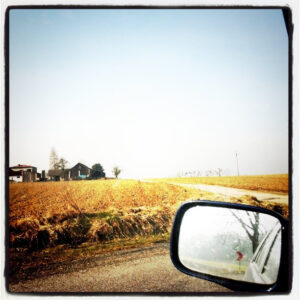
{"points": [[58, 221], [53, 213], [267, 183]]}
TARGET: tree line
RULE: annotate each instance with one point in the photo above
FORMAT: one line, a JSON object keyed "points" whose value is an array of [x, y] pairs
{"points": [[208, 173]]}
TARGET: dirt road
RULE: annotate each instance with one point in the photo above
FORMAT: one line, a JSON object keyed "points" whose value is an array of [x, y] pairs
{"points": [[141, 270], [233, 192]]}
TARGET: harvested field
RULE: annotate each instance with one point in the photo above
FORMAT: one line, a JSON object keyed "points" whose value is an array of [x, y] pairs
{"points": [[268, 183], [53, 213]]}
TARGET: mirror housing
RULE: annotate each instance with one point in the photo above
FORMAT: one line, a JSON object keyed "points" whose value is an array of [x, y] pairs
{"points": [[281, 284]]}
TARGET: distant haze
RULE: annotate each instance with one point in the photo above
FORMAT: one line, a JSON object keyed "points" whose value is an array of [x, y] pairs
{"points": [[154, 92]]}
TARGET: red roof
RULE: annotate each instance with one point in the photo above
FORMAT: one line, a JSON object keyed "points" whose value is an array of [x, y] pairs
{"points": [[22, 166]]}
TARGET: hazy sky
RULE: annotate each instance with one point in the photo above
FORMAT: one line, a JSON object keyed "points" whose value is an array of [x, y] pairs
{"points": [[155, 92]]}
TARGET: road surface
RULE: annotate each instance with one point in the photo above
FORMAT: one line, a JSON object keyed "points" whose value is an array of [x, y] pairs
{"points": [[144, 270]]}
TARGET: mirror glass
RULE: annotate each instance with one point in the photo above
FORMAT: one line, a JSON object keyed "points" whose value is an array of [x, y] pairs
{"points": [[231, 243]]}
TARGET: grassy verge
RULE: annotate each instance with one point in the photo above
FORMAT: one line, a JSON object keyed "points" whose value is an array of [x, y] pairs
{"points": [[76, 229], [217, 265]]}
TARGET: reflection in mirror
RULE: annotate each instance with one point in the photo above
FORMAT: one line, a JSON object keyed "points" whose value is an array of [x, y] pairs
{"points": [[231, 243]]}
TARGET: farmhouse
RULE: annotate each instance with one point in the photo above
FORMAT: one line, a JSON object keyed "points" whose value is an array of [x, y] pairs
{"points": [[79, 171], [23, 173]]}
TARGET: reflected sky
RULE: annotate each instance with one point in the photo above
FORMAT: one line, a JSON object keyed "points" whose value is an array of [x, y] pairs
{"points": [[207, 221]]}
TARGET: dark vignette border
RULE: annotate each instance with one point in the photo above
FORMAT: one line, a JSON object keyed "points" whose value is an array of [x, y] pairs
{"points": [[287, 14]]}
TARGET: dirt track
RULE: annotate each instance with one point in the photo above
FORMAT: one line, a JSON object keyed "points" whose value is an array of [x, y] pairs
{"points": [[145, 270], [233, 192]]}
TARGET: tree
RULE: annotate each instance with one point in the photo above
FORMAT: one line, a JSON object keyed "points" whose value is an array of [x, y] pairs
{"points": [[251, 225], [61, 164], [208, 173], [116, 171], [97, 171], [199, 174], [219, 172], [53, 159]]}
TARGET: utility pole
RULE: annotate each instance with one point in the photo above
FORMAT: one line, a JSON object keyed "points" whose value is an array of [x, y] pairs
{"points": [[237, 164]]}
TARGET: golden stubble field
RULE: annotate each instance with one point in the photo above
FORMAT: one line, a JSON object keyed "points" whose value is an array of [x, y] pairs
{"points": [[47, 199], [51, 213]]}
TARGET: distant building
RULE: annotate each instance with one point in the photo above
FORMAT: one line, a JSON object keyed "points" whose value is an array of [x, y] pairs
{"points": [[79, 171], [57, 175], [23, 173], [43, 176]]}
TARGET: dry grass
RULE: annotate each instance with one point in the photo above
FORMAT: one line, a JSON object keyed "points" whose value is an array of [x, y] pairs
{"points": [[268, 183]]}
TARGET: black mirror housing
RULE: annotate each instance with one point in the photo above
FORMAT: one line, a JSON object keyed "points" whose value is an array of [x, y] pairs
{"points": [[283, 282]]}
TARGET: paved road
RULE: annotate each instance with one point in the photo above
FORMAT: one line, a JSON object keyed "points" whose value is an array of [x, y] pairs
{"points": [[140, 271], [279, 198]]}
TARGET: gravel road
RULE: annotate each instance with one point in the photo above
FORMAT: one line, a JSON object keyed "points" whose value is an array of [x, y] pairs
{"points": [[144, 270]]}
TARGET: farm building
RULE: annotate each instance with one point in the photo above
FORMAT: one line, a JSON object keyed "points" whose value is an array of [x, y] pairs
{"points": [[57, 175], [23, 173], [79, 171]]}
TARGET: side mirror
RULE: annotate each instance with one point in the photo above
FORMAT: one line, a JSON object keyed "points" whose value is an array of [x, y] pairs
{"points": [[244, 248]]}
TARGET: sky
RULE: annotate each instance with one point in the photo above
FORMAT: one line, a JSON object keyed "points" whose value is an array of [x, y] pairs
{"points": [[154, 92]]}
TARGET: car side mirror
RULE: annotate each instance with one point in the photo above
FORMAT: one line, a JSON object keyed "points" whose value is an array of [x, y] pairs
{"points": [[241, 247]]}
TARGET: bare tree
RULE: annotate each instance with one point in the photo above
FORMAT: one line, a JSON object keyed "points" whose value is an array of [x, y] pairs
{"points": [[219, 172], [251, 226], [116, 171], [208, 173], [53, 159], [61, 164]]}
